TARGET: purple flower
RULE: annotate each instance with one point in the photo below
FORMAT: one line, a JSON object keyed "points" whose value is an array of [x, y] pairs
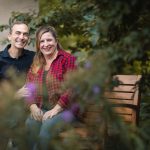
{"points": [[87, 65], [31, 87], [67, 116], [75, 108], [96, 89]]}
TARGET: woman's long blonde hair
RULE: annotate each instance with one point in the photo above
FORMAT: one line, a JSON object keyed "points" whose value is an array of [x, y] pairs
{"points": [[39, 60]]}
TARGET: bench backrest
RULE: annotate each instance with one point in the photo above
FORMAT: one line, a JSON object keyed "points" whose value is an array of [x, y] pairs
{"points": [[125, 98]]}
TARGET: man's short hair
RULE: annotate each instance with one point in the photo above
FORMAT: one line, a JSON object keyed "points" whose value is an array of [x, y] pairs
{"points": [[16, 23]]}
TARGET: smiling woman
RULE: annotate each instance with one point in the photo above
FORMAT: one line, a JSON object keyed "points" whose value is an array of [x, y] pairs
{"points": [[48, 45], [49, 103]]}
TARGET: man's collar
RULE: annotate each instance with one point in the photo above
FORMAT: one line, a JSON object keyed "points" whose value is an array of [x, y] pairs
{"points": [[5, 53]]}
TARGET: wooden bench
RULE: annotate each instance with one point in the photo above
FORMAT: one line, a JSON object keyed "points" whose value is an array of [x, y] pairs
{"points": [[124, 99]]}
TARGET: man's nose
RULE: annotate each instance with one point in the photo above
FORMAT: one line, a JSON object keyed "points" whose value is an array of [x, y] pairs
{"points": [[21, 36]]}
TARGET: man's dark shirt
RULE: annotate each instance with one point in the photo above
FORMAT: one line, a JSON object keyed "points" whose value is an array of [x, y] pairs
{"points": [[21, 65]]}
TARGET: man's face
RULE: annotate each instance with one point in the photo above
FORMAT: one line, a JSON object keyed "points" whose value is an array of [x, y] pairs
{"points": [[19, 36]]}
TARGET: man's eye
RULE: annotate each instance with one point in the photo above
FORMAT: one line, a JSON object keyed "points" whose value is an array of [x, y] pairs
{"points": [[18, 33], [26, 34]]}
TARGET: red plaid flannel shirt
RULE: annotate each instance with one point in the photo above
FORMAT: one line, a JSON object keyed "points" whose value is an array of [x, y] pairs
{"points": [[63, 63]]}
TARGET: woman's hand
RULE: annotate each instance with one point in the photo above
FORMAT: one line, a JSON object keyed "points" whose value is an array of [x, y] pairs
{"points": [[51, 113], [22, 93], [36, 112]]}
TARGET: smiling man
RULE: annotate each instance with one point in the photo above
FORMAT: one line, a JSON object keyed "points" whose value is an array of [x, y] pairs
{"points": [[15, 55]]}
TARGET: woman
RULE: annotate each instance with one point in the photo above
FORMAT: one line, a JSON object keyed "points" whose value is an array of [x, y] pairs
{"points": [[47, 103]]}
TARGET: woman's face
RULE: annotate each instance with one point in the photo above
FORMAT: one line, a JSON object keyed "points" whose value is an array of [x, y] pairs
{"points": [[48, 44]]}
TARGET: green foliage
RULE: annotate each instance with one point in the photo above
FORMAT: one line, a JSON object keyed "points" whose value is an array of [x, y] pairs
{"points": [[115, 34], [13, 111], [112, 26]]}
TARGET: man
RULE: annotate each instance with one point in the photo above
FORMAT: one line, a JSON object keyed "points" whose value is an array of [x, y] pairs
{"points": [[15, 55]]}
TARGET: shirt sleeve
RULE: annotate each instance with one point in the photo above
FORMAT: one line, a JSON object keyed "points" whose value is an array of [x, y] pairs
{"points": [[70, 65]]}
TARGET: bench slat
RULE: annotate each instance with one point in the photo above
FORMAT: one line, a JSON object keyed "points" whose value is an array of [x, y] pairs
{"points": [[120, 101], [128, 79], [125, 88], [127, 118], [123, 110], [119, 95]]}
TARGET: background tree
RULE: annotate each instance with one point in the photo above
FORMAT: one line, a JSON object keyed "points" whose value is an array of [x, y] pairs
{"points": [[117, 31]]}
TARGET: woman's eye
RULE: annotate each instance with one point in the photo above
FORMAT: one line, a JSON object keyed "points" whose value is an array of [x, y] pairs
{"points": [[41, 41], [49, 40]]}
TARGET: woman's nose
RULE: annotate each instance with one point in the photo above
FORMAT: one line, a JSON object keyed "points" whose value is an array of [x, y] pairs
{"points": [[46, 43]]}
